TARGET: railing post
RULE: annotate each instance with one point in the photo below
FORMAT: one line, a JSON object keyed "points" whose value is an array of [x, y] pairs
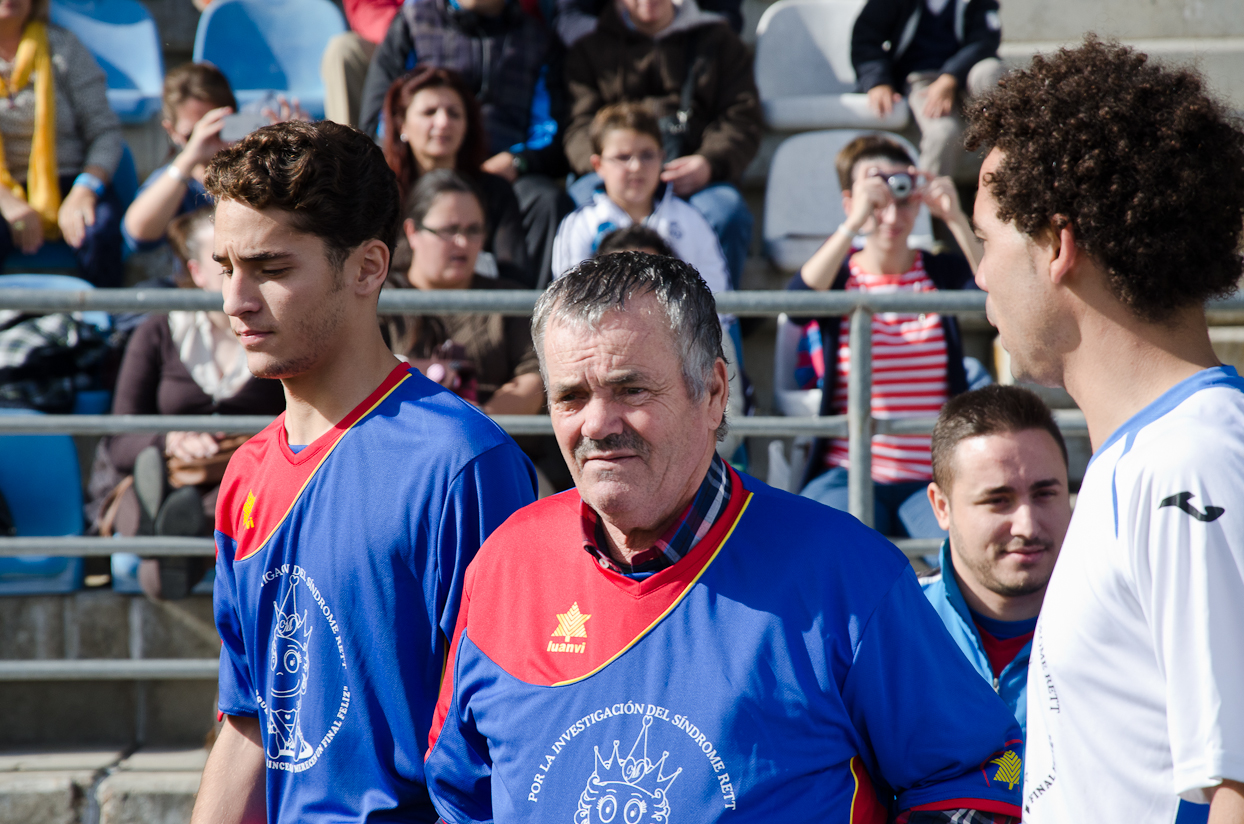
{"points": [[859, 417]]}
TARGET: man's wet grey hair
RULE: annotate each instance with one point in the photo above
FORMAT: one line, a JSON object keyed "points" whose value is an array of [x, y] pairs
{"points": [[587, 292]]}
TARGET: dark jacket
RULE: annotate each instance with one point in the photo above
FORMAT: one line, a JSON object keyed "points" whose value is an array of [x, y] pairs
{"points": [[512, 62], [573, 19], [615, 64], [948, 272], [893, 23]]}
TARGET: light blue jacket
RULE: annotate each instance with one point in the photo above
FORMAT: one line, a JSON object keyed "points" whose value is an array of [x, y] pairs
{"points": [[942, 590]]}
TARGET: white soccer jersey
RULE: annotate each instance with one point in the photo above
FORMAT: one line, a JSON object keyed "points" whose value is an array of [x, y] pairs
{"points": [[1136, 686], [680, 224]]}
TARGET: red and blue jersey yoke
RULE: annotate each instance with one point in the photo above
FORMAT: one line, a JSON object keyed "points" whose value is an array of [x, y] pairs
{"points": [[788, 668]]}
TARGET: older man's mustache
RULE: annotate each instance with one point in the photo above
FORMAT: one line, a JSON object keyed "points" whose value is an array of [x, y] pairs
{"points": [[625, 441]]}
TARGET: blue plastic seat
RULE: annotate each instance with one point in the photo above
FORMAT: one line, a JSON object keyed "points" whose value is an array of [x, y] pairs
{"points": [[42, 485], [57, 254], [266, 46], [124, 40]]}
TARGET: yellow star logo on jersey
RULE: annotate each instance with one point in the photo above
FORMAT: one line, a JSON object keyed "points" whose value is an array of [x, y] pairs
{"points": [[570, 623], [1010, 769], [248, 511]]}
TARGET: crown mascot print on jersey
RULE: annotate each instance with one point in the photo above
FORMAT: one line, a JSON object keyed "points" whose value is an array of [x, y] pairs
{"points": [[294, 666], [629, 790]]}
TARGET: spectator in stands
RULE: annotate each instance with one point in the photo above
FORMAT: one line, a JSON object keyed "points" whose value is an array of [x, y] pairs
{"points": [[445, 226], [180, 363], [347, 56], [937, 53], [439, 126], [197, 99], [917, 358], [574, 19], [627, 156], [1000, 489], [61, 145], [696, 75], [634, 238], [512, 64]]}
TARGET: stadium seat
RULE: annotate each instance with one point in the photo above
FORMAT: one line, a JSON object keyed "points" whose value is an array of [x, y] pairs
{"points": [[57, 254], [42, 485], [124, 40], [803, 202], [266, 46], [804, 72]]}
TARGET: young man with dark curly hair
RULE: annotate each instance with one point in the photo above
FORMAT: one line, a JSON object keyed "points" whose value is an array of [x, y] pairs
{"points": [[1111, 208], [343, 529]]}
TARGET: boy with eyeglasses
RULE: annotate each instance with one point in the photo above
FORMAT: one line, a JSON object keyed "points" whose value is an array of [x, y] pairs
{"points": [[626, 153]]}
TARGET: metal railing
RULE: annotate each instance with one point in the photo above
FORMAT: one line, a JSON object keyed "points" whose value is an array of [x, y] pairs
{"points": [[858, 426]]}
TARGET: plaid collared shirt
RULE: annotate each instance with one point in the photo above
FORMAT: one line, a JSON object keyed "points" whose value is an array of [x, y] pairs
{"points": [[678, 540]]}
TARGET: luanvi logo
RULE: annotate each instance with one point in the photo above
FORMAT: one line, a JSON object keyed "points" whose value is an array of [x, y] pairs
{"points": [[1181, 500]]}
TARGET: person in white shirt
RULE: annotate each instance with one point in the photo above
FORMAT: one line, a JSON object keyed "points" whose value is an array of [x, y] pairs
{"points": [[626, 146], [1110, 208]]}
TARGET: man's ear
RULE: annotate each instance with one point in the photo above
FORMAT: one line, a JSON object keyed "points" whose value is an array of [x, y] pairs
{"points": [[719, 389], [1064, 250], [940, 501], [373, 266], [595, 160], [410, 230]]}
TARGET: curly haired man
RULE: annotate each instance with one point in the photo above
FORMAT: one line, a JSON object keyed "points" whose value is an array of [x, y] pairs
{"points": [[1111, 208]]}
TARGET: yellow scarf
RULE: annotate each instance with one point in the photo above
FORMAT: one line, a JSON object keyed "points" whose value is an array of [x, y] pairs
{"points": [[42, 190]]}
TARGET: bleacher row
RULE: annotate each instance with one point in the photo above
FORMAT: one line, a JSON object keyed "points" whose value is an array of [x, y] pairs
{"points": [[274, 46], [264, 47]]}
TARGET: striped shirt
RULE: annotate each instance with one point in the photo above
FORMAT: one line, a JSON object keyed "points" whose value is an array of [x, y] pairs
{"points": [[682, 536], [909, 375]]}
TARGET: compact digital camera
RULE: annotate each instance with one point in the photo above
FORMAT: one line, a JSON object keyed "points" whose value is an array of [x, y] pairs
{"points": [[902, 184]]}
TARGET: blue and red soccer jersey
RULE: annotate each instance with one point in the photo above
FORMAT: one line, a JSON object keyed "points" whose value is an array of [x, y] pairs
{"points": [[788, 668], [338, 578]]}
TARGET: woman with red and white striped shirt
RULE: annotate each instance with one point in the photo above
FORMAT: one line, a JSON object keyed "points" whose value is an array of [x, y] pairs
{"points": [[917, 358]]}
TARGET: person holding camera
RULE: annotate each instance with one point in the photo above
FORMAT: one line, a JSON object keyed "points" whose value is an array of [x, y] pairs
{"points": [[200, 116], [918, 359]]}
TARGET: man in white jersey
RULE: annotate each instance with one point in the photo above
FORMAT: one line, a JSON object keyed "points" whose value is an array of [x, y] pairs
{"points": [[1111, 207]]}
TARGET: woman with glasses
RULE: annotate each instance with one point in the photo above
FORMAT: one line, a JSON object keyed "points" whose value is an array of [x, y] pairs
{"points": [[445, 229], [437, 125], [490, 353]]}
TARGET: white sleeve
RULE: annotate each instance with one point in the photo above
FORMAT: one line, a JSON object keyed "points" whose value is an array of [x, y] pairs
{"points": [[1188, 555], [699, 247], [573, 243]]}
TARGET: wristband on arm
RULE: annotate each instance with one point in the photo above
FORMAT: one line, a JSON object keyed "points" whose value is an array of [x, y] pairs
{"points": [[89, 181]]}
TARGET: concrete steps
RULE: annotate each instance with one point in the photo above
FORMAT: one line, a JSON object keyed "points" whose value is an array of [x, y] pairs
{"points": [[147, 786], [94, 624]]}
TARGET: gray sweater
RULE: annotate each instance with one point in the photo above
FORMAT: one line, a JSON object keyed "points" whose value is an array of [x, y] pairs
{"points": [[87, 130]]}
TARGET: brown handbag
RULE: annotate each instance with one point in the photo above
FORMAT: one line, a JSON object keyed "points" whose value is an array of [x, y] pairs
{"points": [[201, 471]]}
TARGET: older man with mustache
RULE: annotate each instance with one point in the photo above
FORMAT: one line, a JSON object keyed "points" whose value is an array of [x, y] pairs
{"points": [[672, 640]]}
